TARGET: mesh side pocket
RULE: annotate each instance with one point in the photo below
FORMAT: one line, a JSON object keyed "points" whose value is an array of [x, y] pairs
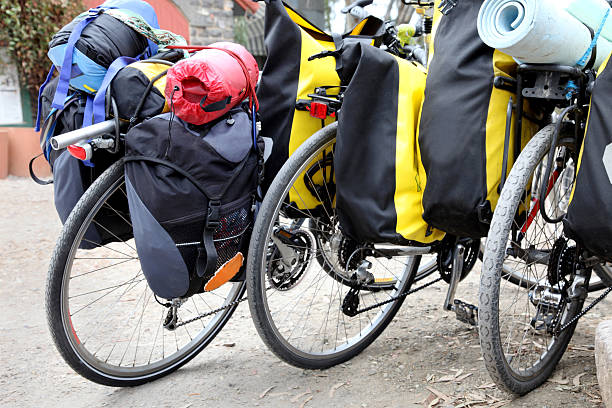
{"points": [[234, 220]]}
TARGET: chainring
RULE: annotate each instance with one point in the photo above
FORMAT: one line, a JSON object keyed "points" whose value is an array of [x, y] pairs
{"points": [[561, 261], [445, 258], [280, 276]]}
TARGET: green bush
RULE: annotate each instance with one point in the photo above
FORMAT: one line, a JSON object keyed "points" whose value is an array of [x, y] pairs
{"points": [[26, 26]]}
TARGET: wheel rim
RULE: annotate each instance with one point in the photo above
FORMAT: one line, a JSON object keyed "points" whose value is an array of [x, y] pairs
{"points": [[530, 307], [145, 348], [308, 319]]}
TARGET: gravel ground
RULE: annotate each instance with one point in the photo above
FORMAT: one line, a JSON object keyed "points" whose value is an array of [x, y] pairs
{"points": [[424, 357]]}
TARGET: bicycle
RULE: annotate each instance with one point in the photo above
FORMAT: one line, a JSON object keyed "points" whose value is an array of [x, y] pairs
{"points": [[526, 327], [104, 319], [318, 298]]}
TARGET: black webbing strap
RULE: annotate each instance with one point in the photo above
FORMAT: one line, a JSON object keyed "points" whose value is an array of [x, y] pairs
{"points": [[34, 177], [207, 254], [338, 42]]}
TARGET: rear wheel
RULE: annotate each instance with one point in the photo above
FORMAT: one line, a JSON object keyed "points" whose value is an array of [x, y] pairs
{"points": [[525, 280], [105, 321], [307, 301]]}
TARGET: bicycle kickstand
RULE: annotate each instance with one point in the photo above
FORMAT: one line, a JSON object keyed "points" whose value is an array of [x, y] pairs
{"points": [[464, 312]]}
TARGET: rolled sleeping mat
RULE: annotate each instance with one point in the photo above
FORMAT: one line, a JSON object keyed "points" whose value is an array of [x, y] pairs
{"points": [[591, 13], [537, 32]]}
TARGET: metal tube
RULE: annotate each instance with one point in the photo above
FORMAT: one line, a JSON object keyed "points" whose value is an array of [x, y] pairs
{"points": [[90, 132]]}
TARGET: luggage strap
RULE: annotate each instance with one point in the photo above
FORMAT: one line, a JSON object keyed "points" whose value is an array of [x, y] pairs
{"points": [[66, 71]]}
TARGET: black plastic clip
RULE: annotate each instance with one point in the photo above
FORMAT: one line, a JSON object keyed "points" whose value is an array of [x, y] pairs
{"points": [[446, 6], [212, 217]]}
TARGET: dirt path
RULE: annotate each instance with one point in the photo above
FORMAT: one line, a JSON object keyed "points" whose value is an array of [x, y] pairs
{"points": [[425, 353]]}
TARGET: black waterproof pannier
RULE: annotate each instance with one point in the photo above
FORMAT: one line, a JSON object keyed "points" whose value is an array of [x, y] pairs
{"points": [[379, 175], [589, 217], [191, 192], [463, 125], [71, 176]]}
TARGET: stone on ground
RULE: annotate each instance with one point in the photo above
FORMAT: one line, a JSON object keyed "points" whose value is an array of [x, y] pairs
{"points": [[603, 360]]}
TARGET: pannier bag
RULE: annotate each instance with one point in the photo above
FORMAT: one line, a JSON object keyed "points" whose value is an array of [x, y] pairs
{"points": [[462, 125], [211, 82], [288, 77], [379, 175], [138, 90], [71, 176], [589, 217], [191, 192]]}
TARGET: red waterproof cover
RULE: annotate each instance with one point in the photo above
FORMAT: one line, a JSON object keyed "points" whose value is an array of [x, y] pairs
{"points": [[211, 82]]}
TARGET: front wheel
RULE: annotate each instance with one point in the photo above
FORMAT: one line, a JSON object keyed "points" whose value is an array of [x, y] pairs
{"points": [[523, 300], [303, 297], [104, 319]]}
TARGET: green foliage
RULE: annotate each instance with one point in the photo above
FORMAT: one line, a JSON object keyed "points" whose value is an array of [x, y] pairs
{"points": [[26, 27]]}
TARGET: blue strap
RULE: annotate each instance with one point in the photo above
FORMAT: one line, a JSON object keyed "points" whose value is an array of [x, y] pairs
{"points": [[99, 102], [585, 58], [66, 71], [40, 91], [88, 113]]}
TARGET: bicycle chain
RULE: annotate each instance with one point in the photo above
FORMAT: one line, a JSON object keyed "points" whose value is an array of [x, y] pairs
{"points": [[236, 302], [584, 311], [212, 312], [394, 298]]}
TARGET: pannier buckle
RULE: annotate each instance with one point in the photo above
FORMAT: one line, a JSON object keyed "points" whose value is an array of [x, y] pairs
{"points": [[212, 217]]}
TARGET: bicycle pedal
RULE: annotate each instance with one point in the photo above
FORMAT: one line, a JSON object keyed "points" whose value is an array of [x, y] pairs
{"points": [[465, 312]]}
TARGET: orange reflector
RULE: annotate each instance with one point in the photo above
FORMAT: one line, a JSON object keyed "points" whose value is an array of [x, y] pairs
{"points": [[226, 272]]}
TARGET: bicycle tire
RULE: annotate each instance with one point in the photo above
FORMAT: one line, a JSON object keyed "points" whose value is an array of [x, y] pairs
{"points": [[280, 343], [497, 359], [66, 335]]}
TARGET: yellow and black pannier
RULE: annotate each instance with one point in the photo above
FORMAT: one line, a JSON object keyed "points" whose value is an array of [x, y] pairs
{"points": [[379, 175], [463, 125], [138, 90], [589, 217], [289, 76]]}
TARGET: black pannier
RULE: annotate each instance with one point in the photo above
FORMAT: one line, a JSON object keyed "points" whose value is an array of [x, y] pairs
{"points": [[589, 217], [71, 176], [463, 124], [191, 191]]}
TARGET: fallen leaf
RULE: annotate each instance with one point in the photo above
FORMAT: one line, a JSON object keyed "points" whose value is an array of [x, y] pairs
{"points": [[439, 394], [500, 404], [469, 403], [297, 397], [429, 377], [303, 404], [560, 381], [434, 402], [263, 394], [458, 373], [487, 385], [576, 380], [463, 377], [193, 394], [333, 389], [446, 378], [229, 344]]}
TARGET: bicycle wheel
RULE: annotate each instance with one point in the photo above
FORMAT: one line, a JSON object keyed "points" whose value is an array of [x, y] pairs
{"points": [[105, 321], [301, 310], [521, 311]]}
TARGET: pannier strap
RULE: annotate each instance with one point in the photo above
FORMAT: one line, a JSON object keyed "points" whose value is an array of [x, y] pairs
{"points": [[207, 254]]}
